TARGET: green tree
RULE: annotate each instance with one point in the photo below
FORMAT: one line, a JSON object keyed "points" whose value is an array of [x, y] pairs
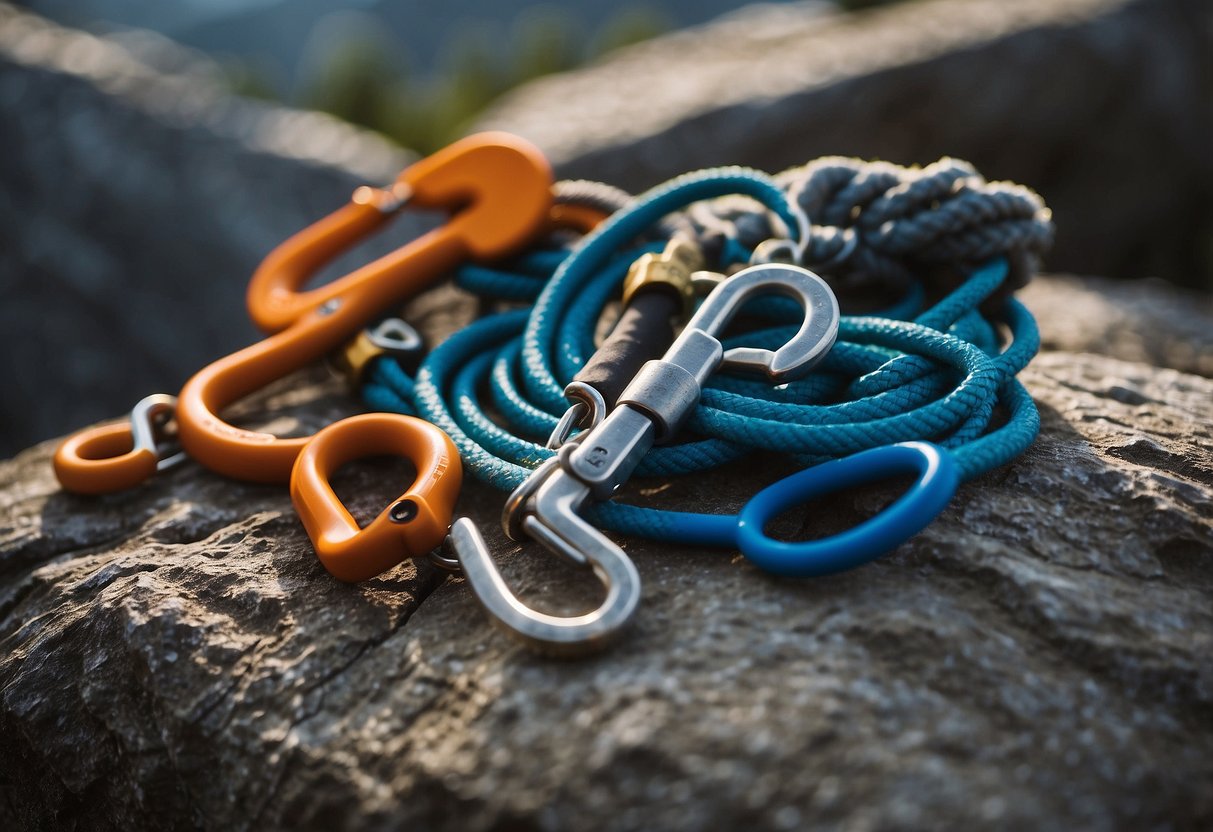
{"points": [[354, 81], [247, 79], [631, 24], [546, 41]]}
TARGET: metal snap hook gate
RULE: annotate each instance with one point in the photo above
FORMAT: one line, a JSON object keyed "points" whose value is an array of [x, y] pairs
{"points": [[660, 398], [499, 189], [415, 523], [114, 457]]}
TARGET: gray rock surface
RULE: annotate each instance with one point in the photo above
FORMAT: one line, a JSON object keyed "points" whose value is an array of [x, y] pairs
{"points": [[1070, 97], [1038, 658], [1148, 321], [175, 657]]}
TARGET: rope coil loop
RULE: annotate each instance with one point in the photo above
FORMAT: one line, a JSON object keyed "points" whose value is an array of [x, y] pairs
{"points": [[937, 371]]}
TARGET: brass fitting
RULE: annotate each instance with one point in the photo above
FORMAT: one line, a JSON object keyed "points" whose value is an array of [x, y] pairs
{"points": [[352, 359], [673, 268]]}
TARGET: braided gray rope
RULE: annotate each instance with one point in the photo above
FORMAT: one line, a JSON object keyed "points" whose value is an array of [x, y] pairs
{"points": [[876, 224]]}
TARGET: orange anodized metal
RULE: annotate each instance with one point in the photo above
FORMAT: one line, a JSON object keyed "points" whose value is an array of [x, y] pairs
{"points": [[499, 188], [113, 457], [410, 527], [103, 459]]}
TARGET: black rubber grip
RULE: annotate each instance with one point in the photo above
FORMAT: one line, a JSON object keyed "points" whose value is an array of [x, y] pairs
{"points": [[644, 331]]}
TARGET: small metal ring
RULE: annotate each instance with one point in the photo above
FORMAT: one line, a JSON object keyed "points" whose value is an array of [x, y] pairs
{"points": [[395, 336], [447, 563], [768, 250], [512, 512]]}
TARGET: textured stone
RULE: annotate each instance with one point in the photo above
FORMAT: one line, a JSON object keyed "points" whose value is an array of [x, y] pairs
{"points": [[175, 657], [1148, 321], [1038, 657], [1074, 98]]}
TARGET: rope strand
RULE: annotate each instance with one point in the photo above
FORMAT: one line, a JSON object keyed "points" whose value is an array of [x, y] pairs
{"points": [[938, 373]]}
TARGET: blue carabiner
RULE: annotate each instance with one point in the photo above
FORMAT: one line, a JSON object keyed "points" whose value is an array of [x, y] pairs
{"points": [[913, 511]]}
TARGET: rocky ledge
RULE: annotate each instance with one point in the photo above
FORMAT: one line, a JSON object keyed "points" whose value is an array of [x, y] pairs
{"points": [[175, 657], [1039, 657]]}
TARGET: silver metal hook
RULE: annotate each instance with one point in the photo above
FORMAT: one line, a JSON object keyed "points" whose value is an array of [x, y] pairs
{"points": [[818, 329], [149, 416], [785, 249], [586, 410], [552, 520], [658, 400]]}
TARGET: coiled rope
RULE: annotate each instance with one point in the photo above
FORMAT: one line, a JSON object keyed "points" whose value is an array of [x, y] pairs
{"points": [[940, 373]]}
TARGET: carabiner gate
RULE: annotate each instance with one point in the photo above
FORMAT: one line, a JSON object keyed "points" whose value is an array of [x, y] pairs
{"points": [[416, 522], [113, 457], [498, 188], [595, 464]]}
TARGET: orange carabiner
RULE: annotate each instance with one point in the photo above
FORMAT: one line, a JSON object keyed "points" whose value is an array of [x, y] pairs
{"points": [[499, 188], [498, 185], [493, 178], [113, 457], [410, 527]]}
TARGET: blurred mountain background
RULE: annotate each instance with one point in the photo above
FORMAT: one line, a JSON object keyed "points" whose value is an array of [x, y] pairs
{"points": [[416, 72]]}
